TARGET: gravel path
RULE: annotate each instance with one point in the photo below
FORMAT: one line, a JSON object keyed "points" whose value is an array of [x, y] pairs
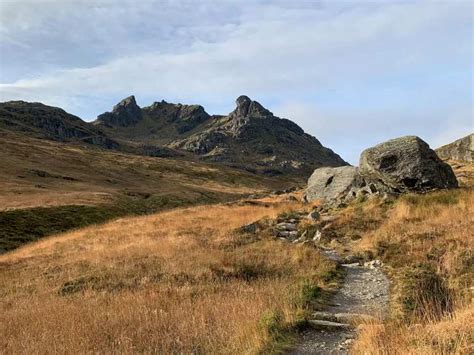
{"points": [[365, 291]]}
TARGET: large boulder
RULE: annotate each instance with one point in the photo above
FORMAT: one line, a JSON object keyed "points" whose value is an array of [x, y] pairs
{"points": [[461, 149], [333, 183], [406, 164]]}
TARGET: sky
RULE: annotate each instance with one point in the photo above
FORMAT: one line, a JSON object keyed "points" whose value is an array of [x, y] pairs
{"points": [[351, 73]]}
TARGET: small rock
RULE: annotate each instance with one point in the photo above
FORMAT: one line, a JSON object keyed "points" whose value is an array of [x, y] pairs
{"points": [[286, 226], [350, 259], [317, 236], [293, 234], [373, 264], [327, 325], [314, 216], [283, 234], [249, 228], [304, 235]]}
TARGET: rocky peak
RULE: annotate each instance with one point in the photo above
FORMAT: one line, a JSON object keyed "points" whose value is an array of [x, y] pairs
{"points": [[125, 113], [128, 104], [183, 117], [248, 108]]}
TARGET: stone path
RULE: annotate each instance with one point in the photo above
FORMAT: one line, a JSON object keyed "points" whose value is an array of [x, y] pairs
{"points": [[364, 295]]}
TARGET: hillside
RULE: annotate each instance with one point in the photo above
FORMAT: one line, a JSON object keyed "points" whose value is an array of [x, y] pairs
{"points": [[461, 149], [42, 121], [225, 289], [48, 187], [250, 138], [175, 282]]}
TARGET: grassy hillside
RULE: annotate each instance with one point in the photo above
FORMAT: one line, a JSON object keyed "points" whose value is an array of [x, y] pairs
{"points": [[426, 243], [182, 281], [48, 187]]}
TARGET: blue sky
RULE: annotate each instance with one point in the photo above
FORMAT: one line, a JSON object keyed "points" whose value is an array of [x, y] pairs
{"points": [[351, 73]]}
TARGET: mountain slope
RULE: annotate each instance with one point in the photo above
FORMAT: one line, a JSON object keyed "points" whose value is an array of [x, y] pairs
{"points": [[41, 121], [250, 137], [47, 187], [253, 138], [461, 149]]}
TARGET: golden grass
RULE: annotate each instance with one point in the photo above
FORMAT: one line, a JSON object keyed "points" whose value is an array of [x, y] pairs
{"points": [[176, 282], [451, 335], [427, 242], [99, 176]]}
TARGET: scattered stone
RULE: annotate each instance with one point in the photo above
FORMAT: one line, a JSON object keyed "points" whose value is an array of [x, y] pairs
{"points": [[291, 198]]}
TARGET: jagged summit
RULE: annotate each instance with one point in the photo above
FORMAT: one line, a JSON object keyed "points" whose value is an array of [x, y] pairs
{"points": [[250, 137], [125, 113], [247, 107]]}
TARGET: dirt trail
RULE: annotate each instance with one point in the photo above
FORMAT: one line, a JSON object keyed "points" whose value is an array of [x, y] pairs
{"points": [[364, 294]]}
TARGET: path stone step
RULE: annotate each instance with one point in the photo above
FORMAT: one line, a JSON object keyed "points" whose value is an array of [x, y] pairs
{"points": [[328, 325], [351, 318]]}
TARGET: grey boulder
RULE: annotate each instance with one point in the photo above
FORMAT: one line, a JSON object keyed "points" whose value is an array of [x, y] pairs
{"points": [[406, 164], [461, 149], [332, 183]]}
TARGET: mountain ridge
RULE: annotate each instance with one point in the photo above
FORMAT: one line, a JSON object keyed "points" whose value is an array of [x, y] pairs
{"points": [[250, 137]]}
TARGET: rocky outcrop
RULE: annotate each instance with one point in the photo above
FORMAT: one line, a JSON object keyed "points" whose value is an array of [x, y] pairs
{"points": [[332, 183], [183, 117], [461, 149], [406, 164], [125, 113], [252, 138], [246, 107]]}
